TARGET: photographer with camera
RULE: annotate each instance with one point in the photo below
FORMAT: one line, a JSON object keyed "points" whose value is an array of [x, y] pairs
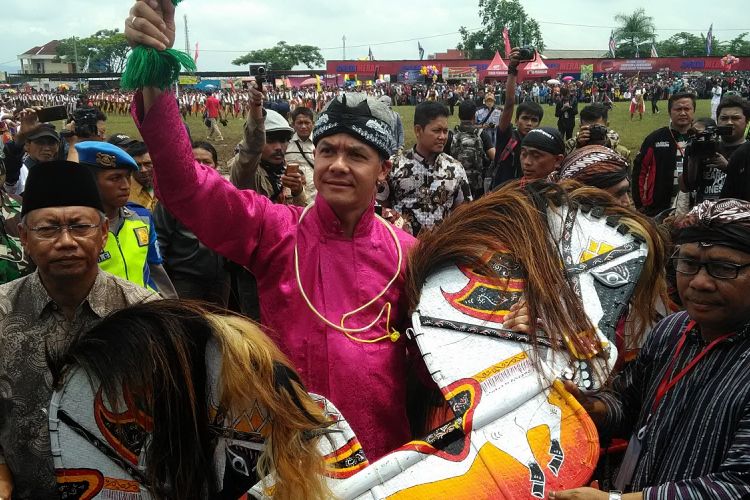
{"points": [[709, 151], [737, 184], [660, 161], [507, 164], [595, 131]]}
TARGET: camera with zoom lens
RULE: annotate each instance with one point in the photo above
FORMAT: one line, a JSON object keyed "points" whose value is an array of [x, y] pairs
{"points": [[598, 133], [705, 144], [259, 72], [526, 53], [85, 120]]}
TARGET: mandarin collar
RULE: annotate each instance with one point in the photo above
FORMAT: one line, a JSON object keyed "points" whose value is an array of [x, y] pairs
{"points": [[95, 298], [330, 225]]}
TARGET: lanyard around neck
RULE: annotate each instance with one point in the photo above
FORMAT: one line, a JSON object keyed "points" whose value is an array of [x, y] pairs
{"points": [[668, 383]]}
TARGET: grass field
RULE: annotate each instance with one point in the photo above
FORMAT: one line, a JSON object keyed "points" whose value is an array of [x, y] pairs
{"points": [[632, 133]]}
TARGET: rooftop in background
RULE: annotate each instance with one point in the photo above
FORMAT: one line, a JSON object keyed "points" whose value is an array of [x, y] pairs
{"points": [[449, 54], [48, 49]]}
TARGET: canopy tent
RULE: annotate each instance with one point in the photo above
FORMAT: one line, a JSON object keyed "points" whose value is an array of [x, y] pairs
{"points": [[533, 69], [497, 68]]}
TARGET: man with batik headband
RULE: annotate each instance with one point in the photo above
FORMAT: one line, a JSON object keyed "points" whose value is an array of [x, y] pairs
{"points": [[330, 275], [542, 151], [63, 230], [686, 397], [598, 166]]}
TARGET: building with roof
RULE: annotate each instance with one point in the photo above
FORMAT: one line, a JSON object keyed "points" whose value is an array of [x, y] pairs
{"points": [[44, 60]]}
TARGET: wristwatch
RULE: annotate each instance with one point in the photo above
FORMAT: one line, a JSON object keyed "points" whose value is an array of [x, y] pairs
{"points": [[615, 495]]}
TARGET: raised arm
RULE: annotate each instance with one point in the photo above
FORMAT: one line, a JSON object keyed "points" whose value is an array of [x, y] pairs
{"points": [[225, 219], [510, 92], [244, 165]]}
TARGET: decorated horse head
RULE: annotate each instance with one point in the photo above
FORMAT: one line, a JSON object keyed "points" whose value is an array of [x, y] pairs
{"points": [[510, 429], [166, 400]]}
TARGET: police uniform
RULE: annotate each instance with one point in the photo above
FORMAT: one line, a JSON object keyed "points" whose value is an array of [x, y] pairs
{"points": [[132, 247]]}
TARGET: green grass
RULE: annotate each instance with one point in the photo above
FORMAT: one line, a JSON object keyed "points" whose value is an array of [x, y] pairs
{"points": [[631, 133]]}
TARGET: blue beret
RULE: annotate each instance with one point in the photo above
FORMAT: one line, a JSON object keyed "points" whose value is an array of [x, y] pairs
{"points": [[104, 155]]}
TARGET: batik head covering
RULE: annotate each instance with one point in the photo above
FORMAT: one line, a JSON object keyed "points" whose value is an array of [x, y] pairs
{"points": [[546, 139], [358, 115], [723, 222], [597, 166]]}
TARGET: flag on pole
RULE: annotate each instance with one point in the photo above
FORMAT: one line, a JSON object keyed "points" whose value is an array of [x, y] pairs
{"points": [[88, 64], [506, 40], [195, 57], [369, 55], [653, 50], [612, 44], [710, 40], [421, 51], [318, 85]]}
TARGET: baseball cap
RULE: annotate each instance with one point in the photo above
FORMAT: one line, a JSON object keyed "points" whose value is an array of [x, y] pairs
{"points": [[43, 130]]}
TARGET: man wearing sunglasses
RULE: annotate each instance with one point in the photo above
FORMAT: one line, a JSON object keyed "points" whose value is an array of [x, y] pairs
{"points": [[685, 400], [63, 230]]}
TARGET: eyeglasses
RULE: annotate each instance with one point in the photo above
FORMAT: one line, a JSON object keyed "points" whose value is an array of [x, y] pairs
{"points": [[717, 269], [74, 230]]}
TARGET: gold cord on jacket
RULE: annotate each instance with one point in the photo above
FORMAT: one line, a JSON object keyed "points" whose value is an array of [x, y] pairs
{"points": [[394, 335]]}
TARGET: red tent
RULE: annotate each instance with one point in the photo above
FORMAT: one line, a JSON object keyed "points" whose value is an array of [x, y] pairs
{"points": [[497, 68], [533, 69]]}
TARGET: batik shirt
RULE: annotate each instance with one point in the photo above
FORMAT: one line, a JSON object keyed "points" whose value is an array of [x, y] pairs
{"points": [[32, 325], [425, 194], [13, 261]]}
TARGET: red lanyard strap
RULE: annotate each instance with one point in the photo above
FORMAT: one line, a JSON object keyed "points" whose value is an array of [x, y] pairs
{"points": [[668, 383]]}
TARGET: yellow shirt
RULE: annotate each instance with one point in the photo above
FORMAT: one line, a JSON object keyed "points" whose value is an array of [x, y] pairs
{"points": [[141, 196]]}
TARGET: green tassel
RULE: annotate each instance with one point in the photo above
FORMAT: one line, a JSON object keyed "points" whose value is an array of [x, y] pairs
{"points": [[148, 67]]}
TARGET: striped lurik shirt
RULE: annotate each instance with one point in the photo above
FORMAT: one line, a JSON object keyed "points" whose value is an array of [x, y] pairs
{"points": [[697, 444]]}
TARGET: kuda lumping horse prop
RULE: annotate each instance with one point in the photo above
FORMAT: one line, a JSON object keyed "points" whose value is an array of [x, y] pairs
{"points": [[165, 400], [512, 431]]}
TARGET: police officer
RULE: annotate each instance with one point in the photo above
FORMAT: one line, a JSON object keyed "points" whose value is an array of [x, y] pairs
{"points": [[132, 251]]}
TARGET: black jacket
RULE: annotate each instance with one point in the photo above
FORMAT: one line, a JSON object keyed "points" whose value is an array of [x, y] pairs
{"points": [[654, 172]]}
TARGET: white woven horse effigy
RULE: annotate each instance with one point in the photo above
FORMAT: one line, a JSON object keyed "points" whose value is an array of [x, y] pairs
{"points": [[512, 430]]}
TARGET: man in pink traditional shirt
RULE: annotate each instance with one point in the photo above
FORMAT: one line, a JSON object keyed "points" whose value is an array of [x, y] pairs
{"points": [[331, 275]]}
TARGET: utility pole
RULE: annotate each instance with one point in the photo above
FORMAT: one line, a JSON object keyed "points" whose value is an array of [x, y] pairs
{"points": [[187, 36], [343, 39], [75, 54]]}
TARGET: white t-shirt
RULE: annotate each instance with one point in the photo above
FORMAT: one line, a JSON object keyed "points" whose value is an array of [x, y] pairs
{"points": [[716, 93]]}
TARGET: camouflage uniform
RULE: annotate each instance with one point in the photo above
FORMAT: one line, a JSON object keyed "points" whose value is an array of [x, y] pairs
{"points": [[425, 194], [13, 261]]}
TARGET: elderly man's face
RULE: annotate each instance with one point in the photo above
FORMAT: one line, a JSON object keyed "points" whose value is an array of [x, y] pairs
{"points": [[717, 305], [346, 173], [68, 253]]}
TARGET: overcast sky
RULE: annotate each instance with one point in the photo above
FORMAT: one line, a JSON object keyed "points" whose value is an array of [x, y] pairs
{"points": [[226, 29]]}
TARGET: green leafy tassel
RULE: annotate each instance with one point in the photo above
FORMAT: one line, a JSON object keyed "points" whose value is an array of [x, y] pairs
{"points": [[148, 67]]}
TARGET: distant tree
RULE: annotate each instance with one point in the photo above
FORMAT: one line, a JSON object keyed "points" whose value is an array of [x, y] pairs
{"points": [[105, 51], [737, 47], [494, 16], [284, 56], [634, 30], [682, 44]]}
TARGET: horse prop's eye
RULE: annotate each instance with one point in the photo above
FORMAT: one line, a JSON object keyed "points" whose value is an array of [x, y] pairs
{"points": [[613, 278], [239, 464]]}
